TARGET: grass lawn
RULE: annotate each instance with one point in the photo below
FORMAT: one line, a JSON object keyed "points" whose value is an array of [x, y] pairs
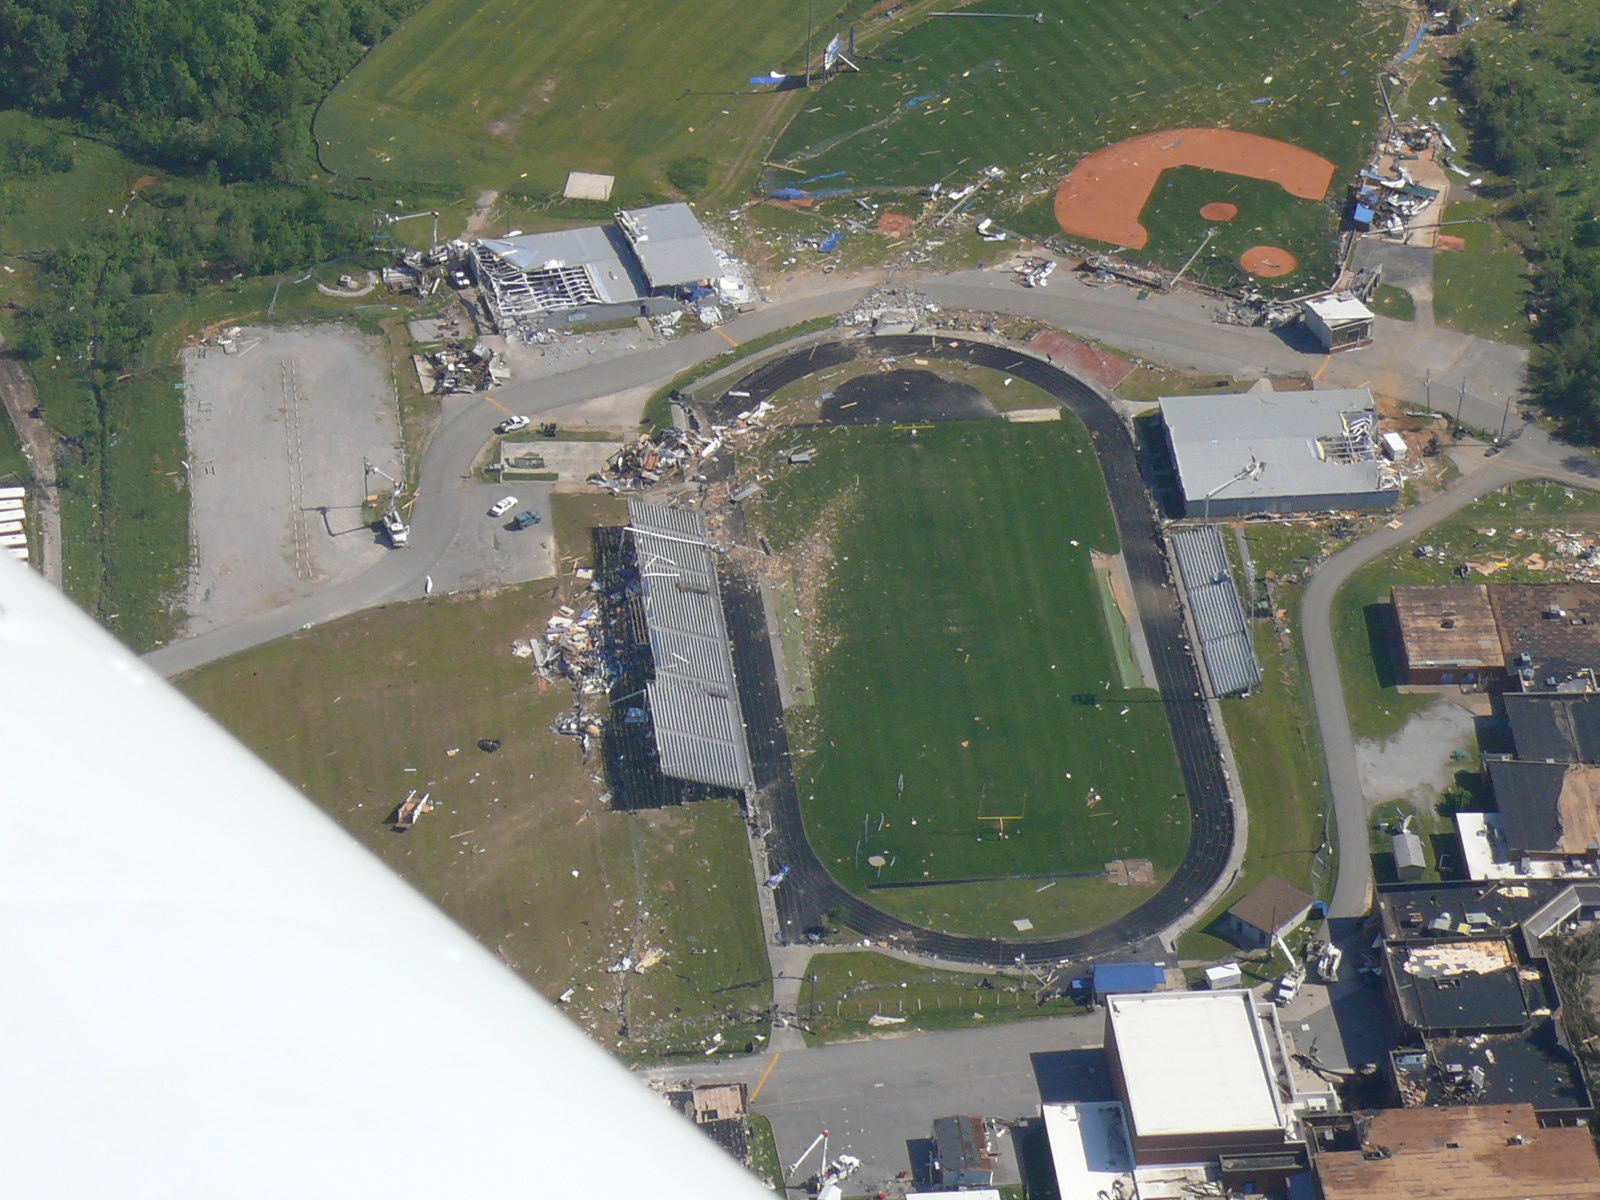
{"points": [[843, 991], [1389, 301], [968, 674], [1483, 289], [1378, 709], [948, 97], [512, 94], [358, 713]]}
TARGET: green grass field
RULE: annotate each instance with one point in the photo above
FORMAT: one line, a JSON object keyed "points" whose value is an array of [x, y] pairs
{"points": [[509, 94], [1483, 289], [967, 653], [357, 713], [949, 97]]}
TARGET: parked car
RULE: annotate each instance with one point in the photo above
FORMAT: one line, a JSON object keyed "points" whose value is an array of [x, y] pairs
{"points": [[502, 506], [525, 518], [512, 424]]}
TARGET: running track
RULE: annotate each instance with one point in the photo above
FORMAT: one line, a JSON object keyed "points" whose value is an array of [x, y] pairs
{"points": [[810, 890]]}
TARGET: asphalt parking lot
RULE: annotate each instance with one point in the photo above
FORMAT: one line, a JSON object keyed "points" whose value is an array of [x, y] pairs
{"points": [[277, 435]]}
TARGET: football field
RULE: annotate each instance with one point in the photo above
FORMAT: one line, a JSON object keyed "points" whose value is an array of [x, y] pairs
{"points": [[972, 744]]}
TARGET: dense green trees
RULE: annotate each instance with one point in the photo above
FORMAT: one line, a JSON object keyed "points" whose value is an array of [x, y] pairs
{"points": [[187, 82], [1534, 94]]}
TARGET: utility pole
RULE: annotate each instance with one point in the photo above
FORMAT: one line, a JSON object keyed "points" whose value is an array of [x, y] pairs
{"points": [[810, 11], [1459, 403], [1504, 418]]}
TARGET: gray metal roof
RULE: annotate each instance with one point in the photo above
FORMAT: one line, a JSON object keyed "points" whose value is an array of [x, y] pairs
{"points": [[671, 245], [1271, 444], [694, 700], [1218, 616], [589, 248]]}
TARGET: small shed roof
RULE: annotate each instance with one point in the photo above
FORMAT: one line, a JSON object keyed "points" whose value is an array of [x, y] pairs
{"points": [[1341, 308], [1408, 851], [1273, 906], [1111, 978]]}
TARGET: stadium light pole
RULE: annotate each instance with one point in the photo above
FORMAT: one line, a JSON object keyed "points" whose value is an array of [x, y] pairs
{"points": [[811, 8]]}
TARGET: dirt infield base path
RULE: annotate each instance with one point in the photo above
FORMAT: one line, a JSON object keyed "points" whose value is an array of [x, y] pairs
{"points": [[1103, 195]]}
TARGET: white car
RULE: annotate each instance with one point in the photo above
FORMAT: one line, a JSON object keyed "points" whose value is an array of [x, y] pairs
{"points": [[501, 507], [512, 424]]}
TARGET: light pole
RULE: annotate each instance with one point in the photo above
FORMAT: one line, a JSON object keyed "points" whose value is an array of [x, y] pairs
{"points": [[810, 9]]}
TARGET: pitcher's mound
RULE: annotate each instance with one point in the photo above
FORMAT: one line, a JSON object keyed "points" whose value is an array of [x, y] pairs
{"points": [[1219, 210], [1268, 262]]}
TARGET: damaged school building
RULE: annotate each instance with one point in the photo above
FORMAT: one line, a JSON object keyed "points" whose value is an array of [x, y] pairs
{"points": [[1278, 453], [644, 264]]}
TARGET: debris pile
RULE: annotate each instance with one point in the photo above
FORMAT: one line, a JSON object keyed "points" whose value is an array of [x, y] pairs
{"points": [[1386, 198], [651, 458], [570, 649], [886, 310], [462, 369]]}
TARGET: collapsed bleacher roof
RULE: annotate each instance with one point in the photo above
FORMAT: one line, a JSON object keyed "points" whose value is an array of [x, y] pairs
{"points": [[693, 699], [531, 274]]}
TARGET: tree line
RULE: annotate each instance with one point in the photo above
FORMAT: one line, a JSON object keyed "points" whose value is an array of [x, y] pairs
{"points": [[188, 82], [1534, 101]]}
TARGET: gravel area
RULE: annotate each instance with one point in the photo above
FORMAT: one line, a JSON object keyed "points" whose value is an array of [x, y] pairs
{"points": [[277, 436]]}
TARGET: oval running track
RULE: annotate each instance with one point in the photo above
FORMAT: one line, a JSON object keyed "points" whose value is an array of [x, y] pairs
{"points": [[810, 890]]}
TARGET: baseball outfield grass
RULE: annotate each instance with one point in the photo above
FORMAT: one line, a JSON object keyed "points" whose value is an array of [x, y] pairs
{"points": [[966, 682]]}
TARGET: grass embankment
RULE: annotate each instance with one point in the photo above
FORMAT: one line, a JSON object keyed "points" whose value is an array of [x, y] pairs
{"points": [[359, 713], [966, 675], [1275, 744], [1361, 623], [842, 992], [658, 409]]}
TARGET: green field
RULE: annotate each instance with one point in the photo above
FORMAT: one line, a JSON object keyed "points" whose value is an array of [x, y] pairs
{"points": [[513, 94], [967, 654], [519, 851], [951, 96], [1483, 289]]}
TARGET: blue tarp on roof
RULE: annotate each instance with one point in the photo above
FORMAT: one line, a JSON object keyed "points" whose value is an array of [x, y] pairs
{"points": [[1114, 978], [1363, 215]]}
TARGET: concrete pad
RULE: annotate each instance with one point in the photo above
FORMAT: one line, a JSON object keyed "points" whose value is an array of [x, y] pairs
{"points": [[277, 437]]}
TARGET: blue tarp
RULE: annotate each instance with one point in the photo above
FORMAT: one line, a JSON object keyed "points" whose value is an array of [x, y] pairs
{"points": [[1363, 215], [1114, 978], [830, 243]]}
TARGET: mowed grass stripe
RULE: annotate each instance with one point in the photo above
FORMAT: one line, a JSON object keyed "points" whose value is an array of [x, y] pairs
{"points": [[480, 92], [965, 615]]}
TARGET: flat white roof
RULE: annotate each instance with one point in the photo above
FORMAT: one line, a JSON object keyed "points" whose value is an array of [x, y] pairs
{"points": [[1341, 306], [1483, 846], [1089, 1148], [1194, 1062]]}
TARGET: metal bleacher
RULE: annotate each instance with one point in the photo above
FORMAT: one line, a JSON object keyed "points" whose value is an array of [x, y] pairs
{"points": [[1214, 607]]}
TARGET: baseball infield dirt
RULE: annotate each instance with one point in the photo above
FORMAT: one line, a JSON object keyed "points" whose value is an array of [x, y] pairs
{"points": [[1103, 195], [1268, 262], [1219, 210]]}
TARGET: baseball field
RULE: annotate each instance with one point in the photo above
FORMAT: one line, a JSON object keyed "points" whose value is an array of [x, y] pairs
{"points": [[973, 756], [953, 95]]}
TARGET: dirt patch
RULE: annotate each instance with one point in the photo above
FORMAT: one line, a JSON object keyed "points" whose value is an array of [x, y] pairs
{"points": [[1268, 262], [1103, 195], [1108, 370], [895, 225], [1219, 210], [1449, 241], [1415, 764], [478, 221], [1131, 872], [1119, 584]]}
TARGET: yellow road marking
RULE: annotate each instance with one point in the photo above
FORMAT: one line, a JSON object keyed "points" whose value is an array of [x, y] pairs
{"points": [[762, 1082], [1326, 359], [500, 406], [724, 333]]}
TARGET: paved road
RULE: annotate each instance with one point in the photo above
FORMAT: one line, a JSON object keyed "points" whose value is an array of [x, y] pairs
{"points": [[1176, 329]]}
